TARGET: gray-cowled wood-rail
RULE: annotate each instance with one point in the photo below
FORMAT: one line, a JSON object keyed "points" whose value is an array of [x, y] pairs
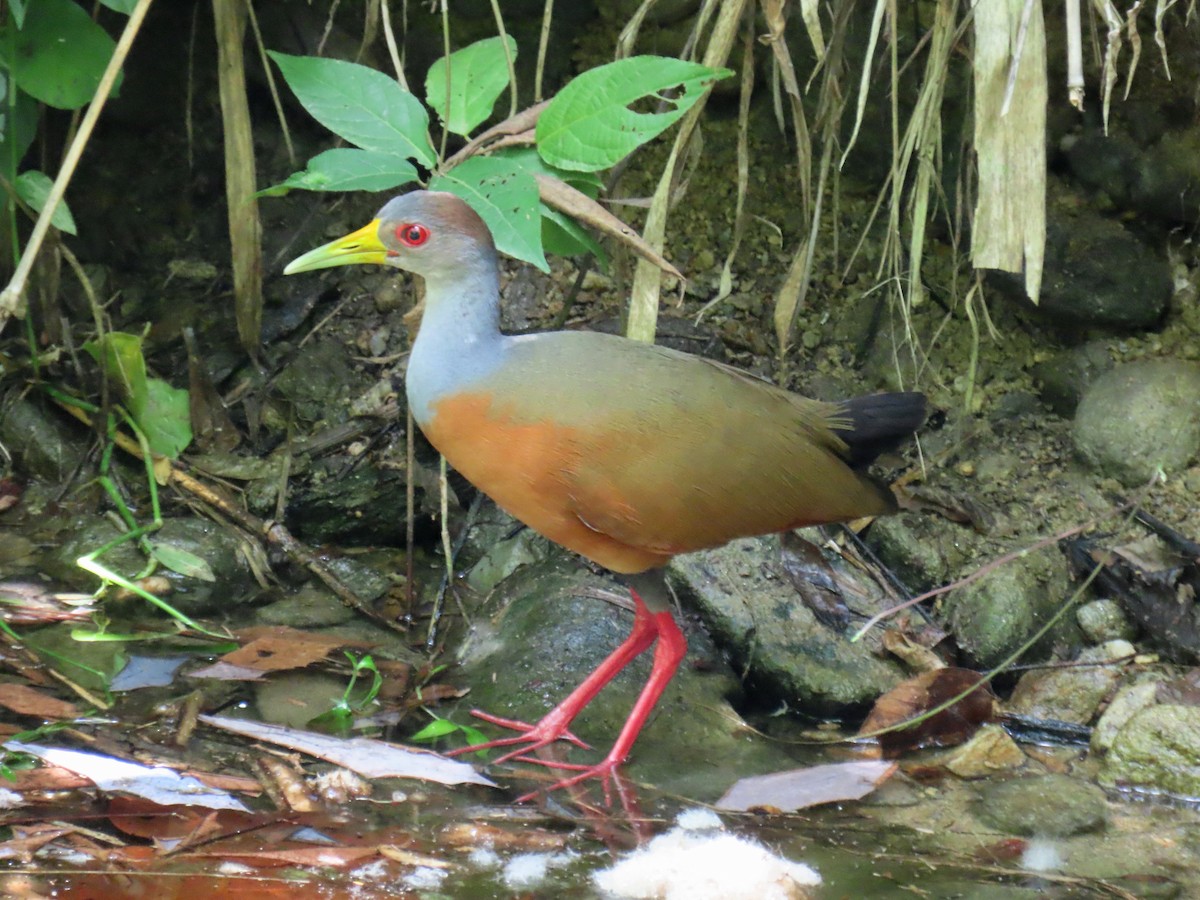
{"points": [[624, 452]]}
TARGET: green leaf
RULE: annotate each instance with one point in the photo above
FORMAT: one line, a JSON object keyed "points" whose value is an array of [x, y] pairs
{"points": [[474, 736], [589, 126], [34, 187], [120, 357], [182, 561], [506, 199], [527, 160], [436, 729], [17, 132], [121, 6], [361, 105], [478, 75], [166, 421], [563, 236], [58, 54], [348, 169], [336, 721], [17, 8]]}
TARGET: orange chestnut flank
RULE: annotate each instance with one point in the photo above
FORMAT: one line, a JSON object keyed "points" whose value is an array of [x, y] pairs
{"points": [[624, 452]]}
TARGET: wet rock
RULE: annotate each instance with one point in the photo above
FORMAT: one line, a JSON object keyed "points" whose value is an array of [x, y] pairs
{"points": [[922, 550], [1104, 620], [1097, 274], [363, 505], [759, 618], [41, 440], [1162, 181], [995, 615], [1044, 806], [1064, 377], [319, 383], [1139, 417], [1125, 704], [90, 664], [987, 753], [218, 547], [1072, 694], [312, 606], [1159, 749], [550, 634], [296, 698], [506, 556]]}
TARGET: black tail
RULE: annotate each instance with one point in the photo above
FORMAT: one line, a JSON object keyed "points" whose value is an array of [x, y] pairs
{"points": [[877, 423]]}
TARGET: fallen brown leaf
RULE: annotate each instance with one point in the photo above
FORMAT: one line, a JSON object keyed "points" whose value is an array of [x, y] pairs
{"points": [[917, 695]]}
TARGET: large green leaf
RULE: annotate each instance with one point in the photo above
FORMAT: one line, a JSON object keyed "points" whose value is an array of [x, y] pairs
{"points": [[160, 411], [478, 75], [58, 53], [506, 198], [166, 421], [365, 107], [349, 169], [563, 236], [589, 126], [34, 187], [120, 356], [17, 130], [527, 160]]}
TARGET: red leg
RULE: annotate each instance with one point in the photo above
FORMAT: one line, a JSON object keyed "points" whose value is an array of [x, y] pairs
{"points": [[553, 726], [667, 655]]}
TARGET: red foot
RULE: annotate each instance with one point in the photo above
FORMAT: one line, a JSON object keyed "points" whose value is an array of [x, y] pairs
{"points": [[647, 628], [532, 737], [605, 772]]}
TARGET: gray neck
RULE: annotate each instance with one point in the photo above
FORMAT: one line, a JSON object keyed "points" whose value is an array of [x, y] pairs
{"points": [[459, 343]]}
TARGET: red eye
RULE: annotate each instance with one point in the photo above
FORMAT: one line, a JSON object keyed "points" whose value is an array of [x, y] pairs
{"points": [[412, 235]]}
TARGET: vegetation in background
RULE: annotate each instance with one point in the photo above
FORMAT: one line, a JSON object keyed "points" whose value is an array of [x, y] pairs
{"points": [[589, 126]]}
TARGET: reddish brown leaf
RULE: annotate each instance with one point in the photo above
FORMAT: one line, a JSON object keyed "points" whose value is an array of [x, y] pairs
{"points": [[144, 819], [322, 856], [922, 693], [272, 649], [522, 838], [26, 701]]}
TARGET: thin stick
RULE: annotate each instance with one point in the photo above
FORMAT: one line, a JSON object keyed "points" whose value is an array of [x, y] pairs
{"points": [[543, 43]]}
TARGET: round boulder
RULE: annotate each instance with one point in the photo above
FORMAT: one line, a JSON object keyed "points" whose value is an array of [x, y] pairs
{"points": [[1139, 417]]}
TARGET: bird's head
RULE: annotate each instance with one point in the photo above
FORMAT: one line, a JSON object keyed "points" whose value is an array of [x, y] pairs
{"points": [[430, 233]]}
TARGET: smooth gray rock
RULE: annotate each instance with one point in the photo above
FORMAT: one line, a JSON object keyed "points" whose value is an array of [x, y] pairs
{"points": [[1065, 377], [1139, 417], [760, 619], [1071, 694], [552, 631], [219, 547], [1157, 748], [995, 615], [1044, 806], [1104, 620]]}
